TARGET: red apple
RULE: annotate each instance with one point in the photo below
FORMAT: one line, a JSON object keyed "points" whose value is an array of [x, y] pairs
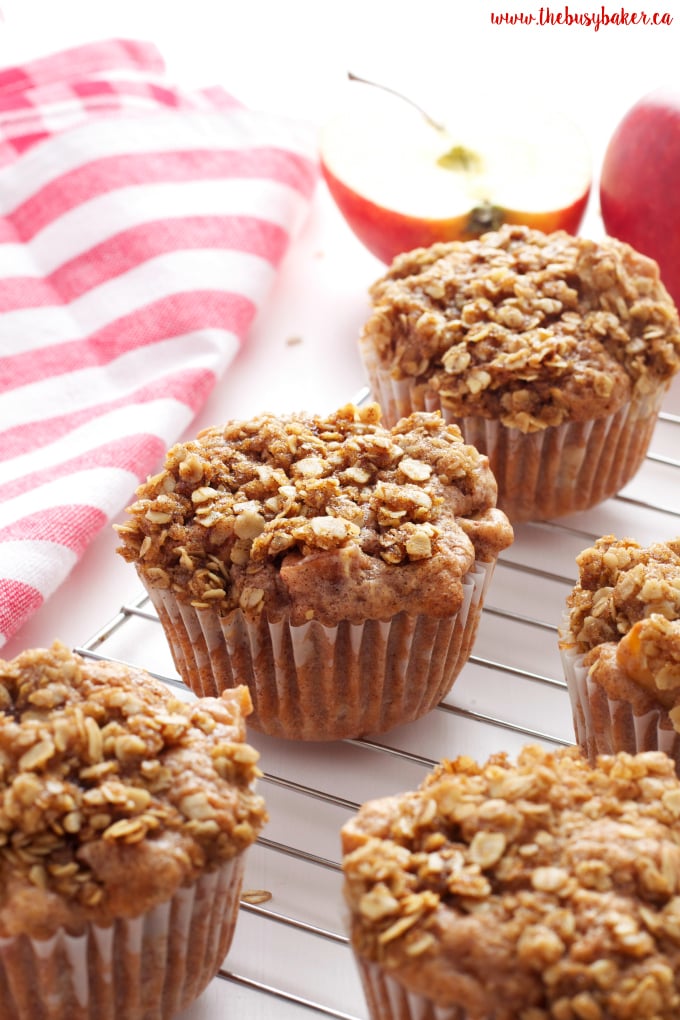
{"points": [[403, 181], [639, 183]]}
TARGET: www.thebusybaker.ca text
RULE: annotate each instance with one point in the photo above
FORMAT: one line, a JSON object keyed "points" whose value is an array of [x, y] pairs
{"points": [[595, 19]]}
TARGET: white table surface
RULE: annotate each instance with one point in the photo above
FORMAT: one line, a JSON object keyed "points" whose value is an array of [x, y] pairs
{"points": [[291, 56]]}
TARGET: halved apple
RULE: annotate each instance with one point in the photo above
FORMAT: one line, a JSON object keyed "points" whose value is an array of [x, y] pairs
{"points": [[402, 180]]}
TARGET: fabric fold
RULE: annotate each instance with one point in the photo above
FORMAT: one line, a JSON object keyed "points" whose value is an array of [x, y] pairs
{"points": [[141, 228]]}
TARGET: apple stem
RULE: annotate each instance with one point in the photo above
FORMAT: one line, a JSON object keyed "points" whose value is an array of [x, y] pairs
{"points": [[377, 85]]}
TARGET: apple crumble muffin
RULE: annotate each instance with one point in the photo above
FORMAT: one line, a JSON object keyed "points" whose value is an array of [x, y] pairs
{"points": [[552, 353], [620, 645], [541, 890], [334, 565], [124, 817]]}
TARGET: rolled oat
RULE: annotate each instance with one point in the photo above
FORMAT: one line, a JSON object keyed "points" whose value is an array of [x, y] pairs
{"points": [[328, 518], [527, 329], [553, 892], [106, 779]]}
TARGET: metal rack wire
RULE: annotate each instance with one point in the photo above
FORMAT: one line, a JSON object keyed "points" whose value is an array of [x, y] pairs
{"points": [[290, 956]]}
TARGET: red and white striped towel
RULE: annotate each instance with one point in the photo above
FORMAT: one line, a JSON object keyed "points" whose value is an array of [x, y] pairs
{"points": [[141, 226]]}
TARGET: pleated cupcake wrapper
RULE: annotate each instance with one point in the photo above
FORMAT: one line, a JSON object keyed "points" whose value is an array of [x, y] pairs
{"points": [[556, 471], [145, 968], [387, 999], [605, 725], [312, 682]]}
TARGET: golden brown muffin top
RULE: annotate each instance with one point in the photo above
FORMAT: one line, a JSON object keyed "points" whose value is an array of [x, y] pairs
{"points": [[620, 582], [113, 792], [326, 518], [623, 616], [537, 890], [526, 328]]}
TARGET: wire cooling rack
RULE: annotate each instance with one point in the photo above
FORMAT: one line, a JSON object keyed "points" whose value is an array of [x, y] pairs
{"points": [[290, 957]]}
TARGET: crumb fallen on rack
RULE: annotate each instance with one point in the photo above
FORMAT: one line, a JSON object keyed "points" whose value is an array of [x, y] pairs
{"points": [[256, 896]]}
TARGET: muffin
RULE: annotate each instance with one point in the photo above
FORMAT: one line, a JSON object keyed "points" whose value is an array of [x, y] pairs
{"points": [[336, 567], [620, 647], [125, 815], [543, 890], [551, 352]]}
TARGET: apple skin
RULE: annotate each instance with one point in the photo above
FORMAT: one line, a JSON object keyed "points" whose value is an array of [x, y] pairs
{"points": [[387, 233], [639, 191]]}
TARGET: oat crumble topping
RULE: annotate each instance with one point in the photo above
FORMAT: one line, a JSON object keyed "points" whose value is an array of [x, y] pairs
{"points": [[623, 616], [113, 792], [543, 890], [526, 328], [619, 583], [313, 515]]}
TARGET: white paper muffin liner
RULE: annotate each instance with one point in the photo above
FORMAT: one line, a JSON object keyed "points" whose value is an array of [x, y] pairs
{"points": [[556, 471], [312, 682], [604, 725], [387, 999], [145, 968]]}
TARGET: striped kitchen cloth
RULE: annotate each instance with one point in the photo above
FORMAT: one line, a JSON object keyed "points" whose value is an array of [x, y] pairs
{"points": [[141, 226]]}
